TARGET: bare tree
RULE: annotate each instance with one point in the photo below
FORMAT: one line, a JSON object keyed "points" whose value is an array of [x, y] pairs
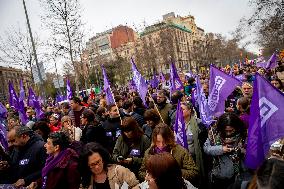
{"points": [[16, 49], [267, 21], [216, 49], [63, 19]]}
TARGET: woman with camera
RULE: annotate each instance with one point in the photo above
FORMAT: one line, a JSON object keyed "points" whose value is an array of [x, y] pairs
{"points": [[131, 145], [226, 146]]}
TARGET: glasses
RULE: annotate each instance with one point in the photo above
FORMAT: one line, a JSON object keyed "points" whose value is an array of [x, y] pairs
{"points": [[91, 165]]}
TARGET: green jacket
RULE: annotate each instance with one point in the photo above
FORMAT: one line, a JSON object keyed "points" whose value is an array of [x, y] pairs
{"points": [[183, 158], [165, 113], [121, 148]]}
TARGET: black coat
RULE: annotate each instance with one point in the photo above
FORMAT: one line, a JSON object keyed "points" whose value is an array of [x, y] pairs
{"points": [[94, 133], [112, 128], [28, 161], [136, 116]]}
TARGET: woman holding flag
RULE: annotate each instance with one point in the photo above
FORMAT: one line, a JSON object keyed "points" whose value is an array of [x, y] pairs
{"points": [[196, 134]]}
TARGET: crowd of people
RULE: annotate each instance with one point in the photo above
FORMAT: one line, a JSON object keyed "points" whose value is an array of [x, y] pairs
{"points": [[85, 143]]}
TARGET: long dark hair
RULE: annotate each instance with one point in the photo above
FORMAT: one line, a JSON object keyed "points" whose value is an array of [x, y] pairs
{"points": [[230, 119], [87, 151], [152, 115], [130, 124], [165, 170]]}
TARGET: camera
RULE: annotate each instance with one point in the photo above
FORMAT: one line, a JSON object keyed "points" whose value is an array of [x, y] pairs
{"points": [[120, 158]]}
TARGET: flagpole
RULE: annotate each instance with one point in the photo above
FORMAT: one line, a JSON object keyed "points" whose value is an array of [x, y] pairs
{"points": [[155, 106]]}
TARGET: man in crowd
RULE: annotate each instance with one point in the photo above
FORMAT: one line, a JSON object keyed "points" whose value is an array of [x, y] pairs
{"points": [[112, 124], [76, 110], [247, 90], [27, 157], [128, 111], [163, 106]]}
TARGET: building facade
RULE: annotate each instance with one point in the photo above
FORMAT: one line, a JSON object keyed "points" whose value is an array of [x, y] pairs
{"points": [[106, 46], [173, 37], [8, 74], [152, 49]]}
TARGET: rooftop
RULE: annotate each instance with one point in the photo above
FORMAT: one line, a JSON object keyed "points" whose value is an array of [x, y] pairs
{"points": [[163, 25]]}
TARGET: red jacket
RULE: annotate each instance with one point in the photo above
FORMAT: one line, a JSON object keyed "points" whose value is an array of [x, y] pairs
{"points": [[54, 128]]}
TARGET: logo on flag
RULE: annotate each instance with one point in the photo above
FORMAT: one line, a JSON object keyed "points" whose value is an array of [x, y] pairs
{"points": [[179, 133], [266, 121], [215, 94], [179, 128], [267, 109], [177, 84]]}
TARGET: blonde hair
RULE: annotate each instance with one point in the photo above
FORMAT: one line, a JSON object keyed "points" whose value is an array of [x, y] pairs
{"points": [[65, 118]]}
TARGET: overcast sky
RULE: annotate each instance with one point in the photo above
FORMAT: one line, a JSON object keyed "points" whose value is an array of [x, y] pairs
{"points": [[218, 16]]}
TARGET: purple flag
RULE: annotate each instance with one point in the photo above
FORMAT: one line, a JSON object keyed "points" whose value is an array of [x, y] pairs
{"points": [[154, 82], [22, 92], [3, 111], [41, 100], [69, 90], [272, 62], [107, 89], [59, 98], [22, 113], [140, 82], [176, 83], [3, 131], [3, 136], [18, 105], [179, 129], [221, 85], [203, 104], [131, 85], [240, 77], [261, 64], [194, 97], [162, 77], [13, 100], [266, 121], [33, 102]]}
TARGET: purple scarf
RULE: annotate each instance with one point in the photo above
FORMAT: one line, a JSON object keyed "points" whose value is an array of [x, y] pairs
{"points": [[164, 149], [52, 161]]}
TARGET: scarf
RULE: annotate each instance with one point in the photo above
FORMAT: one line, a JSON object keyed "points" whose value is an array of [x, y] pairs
{"points": [[50, 163], [164, 149]]}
